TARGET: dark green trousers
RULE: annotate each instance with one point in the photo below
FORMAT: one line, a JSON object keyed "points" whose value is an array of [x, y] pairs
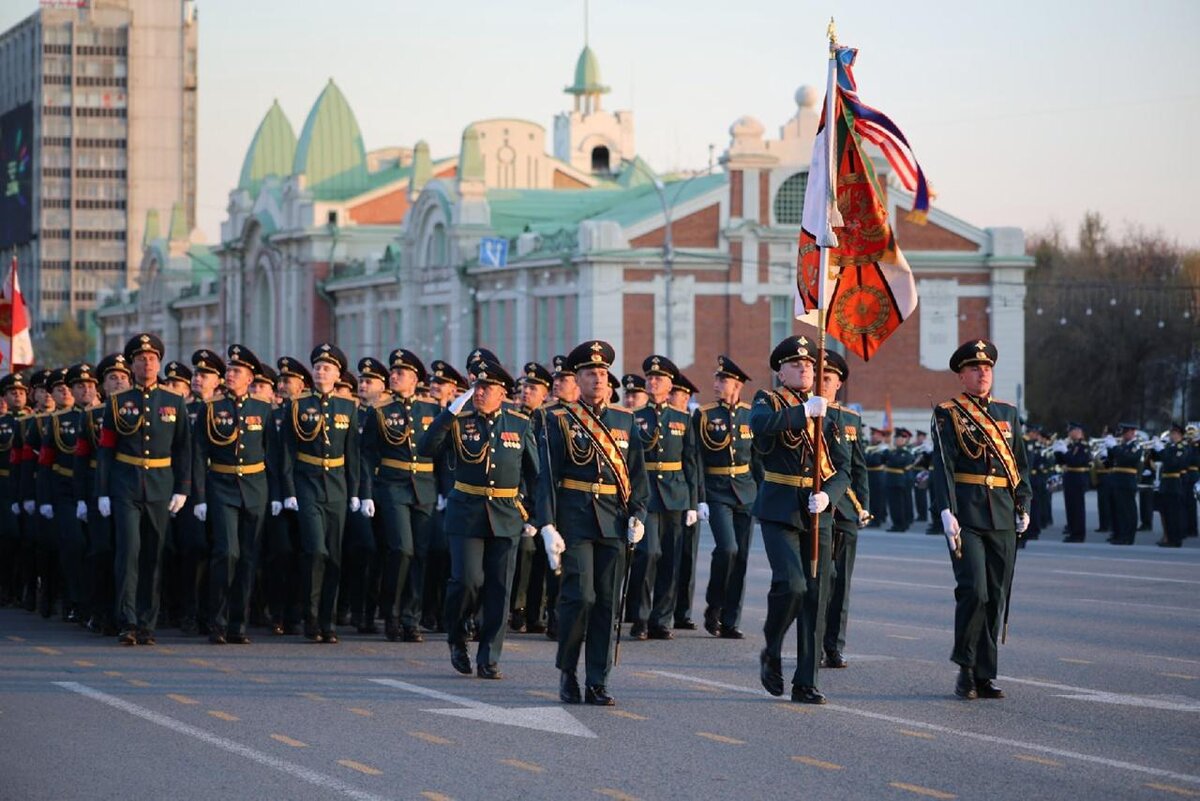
{"points": [[981, 578], [795, 596], [589, 591], [481, 571]]}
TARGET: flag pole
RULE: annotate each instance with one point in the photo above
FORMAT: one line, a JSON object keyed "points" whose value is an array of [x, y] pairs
{"points": [[11, 268], [822, 299]]}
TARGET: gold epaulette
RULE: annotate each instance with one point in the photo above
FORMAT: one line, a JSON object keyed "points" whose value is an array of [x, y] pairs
{"points": [[743, 405], [518, 414], [559, 412], [708, 406], [947, 405], [1004, 403], [621, 409]]}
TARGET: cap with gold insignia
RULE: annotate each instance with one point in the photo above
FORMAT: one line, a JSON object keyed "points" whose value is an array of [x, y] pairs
{"points": [[13, 381], [593, 353], [347, 381], [205, 361], [81, 373], [797, 347], [265, 374], [444, 373], [561, 367], [177, 371], [403, 359], [293, 368], [58, 377], [370, 367], [977, 351], [328, 352], [633, 382], [726, 367], [40, 379], [241, 356], [836, 363], [489, 371], [659, 365], [144, 343], [113, 362], [534, 373], [614, 385]]}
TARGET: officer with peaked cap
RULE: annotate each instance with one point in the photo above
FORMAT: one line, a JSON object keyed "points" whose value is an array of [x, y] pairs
{"points": [[682, 391], [13, 388], [635, 390], [1074, 456], [535, 385], [283, 570], [1124, 458]]}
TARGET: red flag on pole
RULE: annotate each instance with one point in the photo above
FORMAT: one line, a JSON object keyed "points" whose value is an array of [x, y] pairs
{"points": [[16, 347]]}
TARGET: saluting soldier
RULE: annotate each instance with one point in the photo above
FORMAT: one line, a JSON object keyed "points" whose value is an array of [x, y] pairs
{"points": [[398, 486], [593, 489], [669, 450], [727, 494], [980, 453], [13, 388], [531, 559], [785, 432], [486, 509], [231, 493], [848, 514], [144, 475], [284, 575]]}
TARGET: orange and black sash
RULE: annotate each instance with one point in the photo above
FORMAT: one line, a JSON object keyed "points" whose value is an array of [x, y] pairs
{"points": [[994, 438], [605, 442]]}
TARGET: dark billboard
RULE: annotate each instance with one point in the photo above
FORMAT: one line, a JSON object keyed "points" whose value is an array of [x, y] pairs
{"points": [[16, 176]]}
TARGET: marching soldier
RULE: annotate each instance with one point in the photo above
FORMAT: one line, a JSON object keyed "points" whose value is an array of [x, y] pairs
{"points": [[848, 513], [531, 559], [726, 448], [284, 577], [980, 454], [898, 481], [364, 548], [231, 492], [485, 512], [319, 482], [669, 450], [635, 391], [143, 476], [593, 488], [876, 455], [784, 435], [1124, 459], [13, 388], [682, 392], [1173, 459], [41, 539]]}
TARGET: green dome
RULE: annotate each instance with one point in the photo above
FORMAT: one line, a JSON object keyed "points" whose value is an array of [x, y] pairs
{"points": [[587, 75], [271, 152], [330, 151]]}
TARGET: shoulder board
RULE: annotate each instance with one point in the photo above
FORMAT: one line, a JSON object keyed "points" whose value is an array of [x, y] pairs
{"points": [[708, 406], [621, 410], [518, 414], [559, 412], [947, 405], [743, 405], [305, 394], [1004, 403], [550, 402], [465, 413]]}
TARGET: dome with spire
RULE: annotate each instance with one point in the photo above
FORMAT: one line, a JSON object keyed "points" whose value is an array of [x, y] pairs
{"points": [[330, 151], [587, 75], [271, 151]]}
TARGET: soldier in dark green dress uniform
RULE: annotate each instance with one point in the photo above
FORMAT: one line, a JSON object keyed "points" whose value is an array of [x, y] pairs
{"points": [[284, 571], [682, 392], [364, 549], [784, 429], [1124, 459], [319, 482], [487, 508], [725, 446], [43, 537], [1172, 458], [534, 389], [848, 514], [231, 493], [1074, 456], [144, 475], [13, 388], [979, 452], [898, 480], [593, 489], [876, 455]]}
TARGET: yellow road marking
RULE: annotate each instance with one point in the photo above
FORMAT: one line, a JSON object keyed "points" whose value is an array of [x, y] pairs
{"points": [[220, 669], [84, 663], [794, 708], [1070, 661], [720, 738], [258, 679], [167, 651], [113, 673], [219, 715], [430, 738], [47, 650], [283, 738], [138, 683], [182, 699], [15, 638], [312, 696], [925, 791], [415, 662], [1179, 676], [624, 713], [816, 763], [617, 794], [529, 766], [360, 767], [924, 735], [200, 662], [641, 674], [902, 637], [432, 796], [366, 713], [1038, 760], [366, 649], [1170, 788], [706, 688], [541, 693], [512, 646]]}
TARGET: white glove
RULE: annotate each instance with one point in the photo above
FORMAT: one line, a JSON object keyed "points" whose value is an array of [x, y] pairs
{"points": [[1158, 445], [457, 405], [951, 528], [104, 506], [46, 511], [16, 508], [815, 406], [276, 508], [291, 504], [555, 545], [528, 530], [81, 510], [367, 507], [1110, 441], [864, 517], [30, 507], [177, 502], [1022, 522], [1059, 447], [441, 502], [702, 509], [200, 510], [637, 530], [818, 502], [355, 504], [690, 517], [927, 446], [1102, 453]]}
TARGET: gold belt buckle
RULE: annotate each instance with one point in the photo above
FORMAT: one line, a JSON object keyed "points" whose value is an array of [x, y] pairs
{"points": [[990, 480], [490, 492], [596, 489], [239, 471]]}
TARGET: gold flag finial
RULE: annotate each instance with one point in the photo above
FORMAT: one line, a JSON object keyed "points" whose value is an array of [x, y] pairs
{"points": [[831, 32]]}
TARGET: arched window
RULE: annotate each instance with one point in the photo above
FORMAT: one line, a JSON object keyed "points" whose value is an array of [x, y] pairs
{"points": [[600, 159], [435, 253], [789, 200]]}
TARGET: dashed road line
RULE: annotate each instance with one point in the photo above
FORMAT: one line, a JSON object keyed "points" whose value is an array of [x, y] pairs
{"points": [[312, 696], [925, 791], [922, 735], [430, 795], [816, 763], [616, 794], [795, 709], [1179, 676], [138, 683], [219, 715], [360, 767], [113, 673], [625, 713], [182, 699], [258, 680], [84, 663], [900, 637], [283, 738], [15, 638], [542, 694], [358, 710], [1071, 661], [1161, 579], [47, 650], [430, 738], [720, 738], [522, 765], [1170, 788], [1053, 763]]}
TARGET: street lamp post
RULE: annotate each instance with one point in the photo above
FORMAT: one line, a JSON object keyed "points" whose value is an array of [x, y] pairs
{"points": [[668, 265]]}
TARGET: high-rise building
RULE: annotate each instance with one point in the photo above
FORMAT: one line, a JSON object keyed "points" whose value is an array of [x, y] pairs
{"points": [[97, 126]]}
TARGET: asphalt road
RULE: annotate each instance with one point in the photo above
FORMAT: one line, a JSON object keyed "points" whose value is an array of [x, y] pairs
{"points": [[1102, 671]]}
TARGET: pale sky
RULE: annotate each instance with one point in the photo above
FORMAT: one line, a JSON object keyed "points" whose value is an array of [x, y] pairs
{"points": [[1022, 113]]}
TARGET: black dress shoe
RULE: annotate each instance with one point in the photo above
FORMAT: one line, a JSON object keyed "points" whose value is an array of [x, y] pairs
{"points": [[835, 659], [687, 624], [986, 688], [552, 625], [491, 671], [637, 631], [344, 619], [770, 673], [413, 634], [277, 629], [312, 633], [731, 633], [237, 639], [127, 637], [517, 621], [807, 695], [536, 628], [146, 638], [460, 660], [216, 638], [712, 622], [329, 637], [391, 630], [965, 686], [659, 633], [596, 695], [568, 688]]}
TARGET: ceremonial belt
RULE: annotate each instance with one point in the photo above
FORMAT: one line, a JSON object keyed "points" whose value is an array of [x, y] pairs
{"points": [[1130, 470], [65, 472], [486, 492], [138, 461], [238, 469], [319, 461], [416, 467], [802, 482], [1079, 469], [986, 481], [584, 486], [735, 470], [876, 468], [897, 470], [993, 436], [663, 467], [1103, 469], [1172, 475]]}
